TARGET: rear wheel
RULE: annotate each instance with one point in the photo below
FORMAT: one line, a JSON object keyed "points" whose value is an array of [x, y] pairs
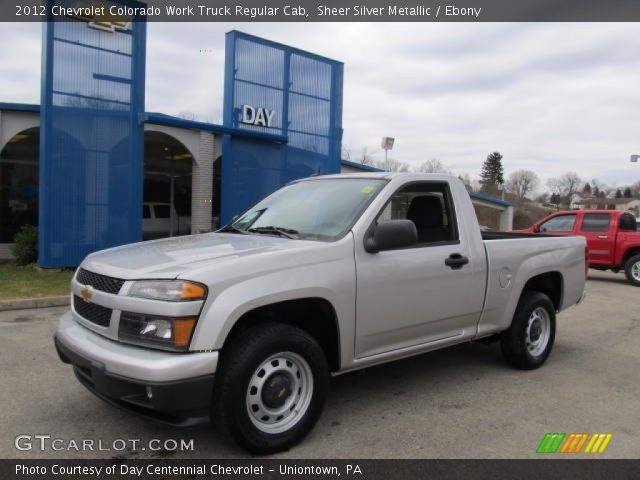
{"points": [[271, 387], [632, 270], [528, 342]]}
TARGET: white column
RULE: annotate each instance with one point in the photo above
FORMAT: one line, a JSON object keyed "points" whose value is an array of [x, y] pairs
{"points": [[202, 184], [506, 219]]}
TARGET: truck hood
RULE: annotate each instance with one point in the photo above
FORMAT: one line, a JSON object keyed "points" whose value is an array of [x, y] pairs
{"points": [[168, 258]]}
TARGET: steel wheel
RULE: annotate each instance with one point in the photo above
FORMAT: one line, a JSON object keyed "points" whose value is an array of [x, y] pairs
{"points": [[635, 271], [279, 392], [538, 331]]}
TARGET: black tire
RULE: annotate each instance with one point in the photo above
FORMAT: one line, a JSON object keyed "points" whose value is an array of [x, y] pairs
{"points": [[514, 340], [239, 363], [628, 267]]}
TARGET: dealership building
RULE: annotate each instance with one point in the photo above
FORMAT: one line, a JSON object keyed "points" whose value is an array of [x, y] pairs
{"points": [[92, 169]]}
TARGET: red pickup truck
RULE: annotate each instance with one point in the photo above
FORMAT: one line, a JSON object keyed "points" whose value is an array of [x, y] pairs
{"points": [[612, 237]]}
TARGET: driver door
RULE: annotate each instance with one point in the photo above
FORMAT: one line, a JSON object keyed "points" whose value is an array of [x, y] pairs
{"points": [[409, 296]]}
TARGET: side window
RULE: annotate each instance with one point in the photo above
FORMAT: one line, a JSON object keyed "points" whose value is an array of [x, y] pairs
{"points": [[561, 223], [596, 222], [628, 222], [428, 205], [162, 211], [146, 211]]}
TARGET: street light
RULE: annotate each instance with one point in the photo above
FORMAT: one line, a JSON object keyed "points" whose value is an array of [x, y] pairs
{"points": [[387, 144]]}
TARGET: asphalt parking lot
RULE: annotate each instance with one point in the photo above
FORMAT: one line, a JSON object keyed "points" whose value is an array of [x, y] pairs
{"points": [[462, 402]]}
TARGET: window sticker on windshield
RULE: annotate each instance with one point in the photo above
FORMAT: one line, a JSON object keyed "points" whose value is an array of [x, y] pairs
{"points": [[368, 188]]}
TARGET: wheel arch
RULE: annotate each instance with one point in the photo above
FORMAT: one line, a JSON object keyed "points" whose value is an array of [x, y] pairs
{"points": [[628, 253], [550, 283], [315, 315]]}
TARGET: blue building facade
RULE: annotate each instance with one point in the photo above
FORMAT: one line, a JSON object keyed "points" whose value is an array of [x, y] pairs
{"points": [[282, 120], [283, 91]]}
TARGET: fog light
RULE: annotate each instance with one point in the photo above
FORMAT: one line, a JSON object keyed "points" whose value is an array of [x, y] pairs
{"points": [[149, 393]]}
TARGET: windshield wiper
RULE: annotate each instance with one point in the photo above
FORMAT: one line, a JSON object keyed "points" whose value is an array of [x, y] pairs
{"points": [[232, 229], [283, 232]]}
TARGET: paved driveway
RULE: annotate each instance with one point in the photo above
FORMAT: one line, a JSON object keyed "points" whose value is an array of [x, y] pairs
{"points": [[463, 402]]}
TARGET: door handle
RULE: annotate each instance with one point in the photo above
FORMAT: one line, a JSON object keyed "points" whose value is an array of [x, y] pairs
{"points": [[456, 261], [603, 237]]}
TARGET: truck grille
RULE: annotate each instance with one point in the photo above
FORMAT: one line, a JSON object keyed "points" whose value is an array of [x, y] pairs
{"points": [[90, 311], [99, 282]]}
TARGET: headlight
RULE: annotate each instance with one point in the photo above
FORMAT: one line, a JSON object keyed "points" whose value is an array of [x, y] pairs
{"points": [[172, 290], [167, 333]]}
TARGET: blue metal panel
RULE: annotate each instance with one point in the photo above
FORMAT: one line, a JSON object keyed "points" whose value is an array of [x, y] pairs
{"points": [[305, 93], [91, 141]]}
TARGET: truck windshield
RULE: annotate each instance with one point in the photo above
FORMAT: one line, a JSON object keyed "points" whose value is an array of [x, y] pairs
{"points": [[321, 209]]}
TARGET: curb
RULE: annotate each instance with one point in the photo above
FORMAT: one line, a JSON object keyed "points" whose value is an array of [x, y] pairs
{"points": [[25, 303]]}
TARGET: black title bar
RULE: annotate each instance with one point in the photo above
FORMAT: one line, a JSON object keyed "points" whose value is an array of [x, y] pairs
{"points": [[328, 11]]}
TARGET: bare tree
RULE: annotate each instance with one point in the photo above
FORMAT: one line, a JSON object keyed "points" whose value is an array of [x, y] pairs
{"points": [[433, 166], [392, 165], [521, 183], [366, 157], [565, 187]]}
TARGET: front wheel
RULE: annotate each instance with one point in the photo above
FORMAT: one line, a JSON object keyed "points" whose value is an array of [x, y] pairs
{"points": [[271, 387], [529, 340], [632, 270]]}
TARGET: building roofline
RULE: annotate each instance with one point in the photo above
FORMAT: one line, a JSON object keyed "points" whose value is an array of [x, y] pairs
{"points": [[168, 120], [487, 198], [19, 107], [360, 166]]}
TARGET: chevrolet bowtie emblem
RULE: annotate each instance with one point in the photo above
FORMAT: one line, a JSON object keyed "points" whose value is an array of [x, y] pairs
{"points": [[98, 16], [86, 293]]}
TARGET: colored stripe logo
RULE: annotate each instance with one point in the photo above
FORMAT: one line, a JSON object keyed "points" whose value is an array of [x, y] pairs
{"points": [[574, 442]]}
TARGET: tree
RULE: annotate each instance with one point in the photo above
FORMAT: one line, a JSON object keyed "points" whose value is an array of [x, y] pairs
{"points": [[564, 187], [492, 173], [596, 192], [618, 193], [392, 165], [542, 198], [628, 193], [432, 166], [587, 188], [521, 183], [365, 157]]}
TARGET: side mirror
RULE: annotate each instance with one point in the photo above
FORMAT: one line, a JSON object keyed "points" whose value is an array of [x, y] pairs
{"points": [[391, 235], [536, 229]]}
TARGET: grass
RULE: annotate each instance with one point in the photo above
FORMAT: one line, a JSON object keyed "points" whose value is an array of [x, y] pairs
{"points": [[30, 282]]}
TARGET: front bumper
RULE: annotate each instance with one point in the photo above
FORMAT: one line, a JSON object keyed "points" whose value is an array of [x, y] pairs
{"points": [[173, 388]]}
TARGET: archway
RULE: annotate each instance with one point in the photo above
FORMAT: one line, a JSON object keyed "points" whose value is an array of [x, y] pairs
{"points": [[19, 160], [168, 165]]}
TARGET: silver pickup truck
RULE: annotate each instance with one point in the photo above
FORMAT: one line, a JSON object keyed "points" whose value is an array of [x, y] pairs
{"points": [[326, 275]]}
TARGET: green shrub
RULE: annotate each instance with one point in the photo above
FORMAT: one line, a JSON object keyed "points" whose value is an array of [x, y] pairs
{"points": [[25, 248]]}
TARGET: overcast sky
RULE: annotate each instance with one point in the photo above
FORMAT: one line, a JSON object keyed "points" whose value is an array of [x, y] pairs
{"points": [[550, 97]]}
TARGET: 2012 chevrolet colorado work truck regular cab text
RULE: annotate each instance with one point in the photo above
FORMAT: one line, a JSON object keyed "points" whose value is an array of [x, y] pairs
{"points": [[326, 275]]}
